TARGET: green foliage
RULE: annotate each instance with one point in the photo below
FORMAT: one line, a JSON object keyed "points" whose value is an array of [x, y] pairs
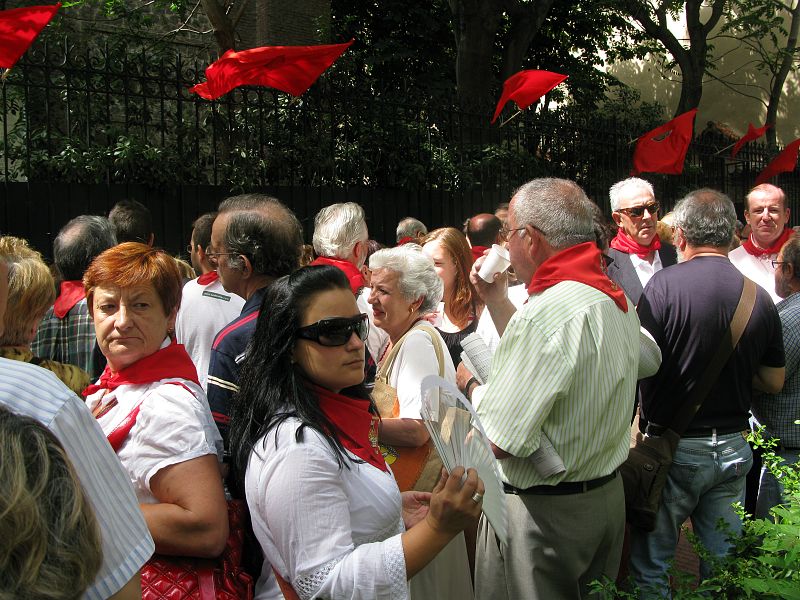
{"points": [[764, 561]]}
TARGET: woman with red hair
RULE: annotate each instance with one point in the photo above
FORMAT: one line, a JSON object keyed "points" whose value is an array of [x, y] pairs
{"points": [[149, 404]]}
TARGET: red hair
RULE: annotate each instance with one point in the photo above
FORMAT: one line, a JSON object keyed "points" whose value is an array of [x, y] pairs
{"points": [[133, 264], [464, 301]]}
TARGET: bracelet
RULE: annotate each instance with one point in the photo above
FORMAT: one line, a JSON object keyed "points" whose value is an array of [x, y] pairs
{"points": [[469, 383]]}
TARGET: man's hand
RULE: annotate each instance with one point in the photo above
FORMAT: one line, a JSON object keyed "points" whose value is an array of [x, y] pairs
{"points": [[490, 293]]}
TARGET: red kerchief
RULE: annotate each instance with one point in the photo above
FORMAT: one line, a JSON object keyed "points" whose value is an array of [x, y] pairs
{"points": [[582, 263], [70, 294], [353, 274], [625, 243], [773, 249], [19, 27]]}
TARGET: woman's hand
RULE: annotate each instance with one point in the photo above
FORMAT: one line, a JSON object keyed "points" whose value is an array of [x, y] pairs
{"points": [[415, 507], [453, 506]]}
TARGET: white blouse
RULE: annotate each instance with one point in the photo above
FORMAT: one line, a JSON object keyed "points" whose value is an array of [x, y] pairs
{"points": [[330, 531], [174, 425], [415, 360]]}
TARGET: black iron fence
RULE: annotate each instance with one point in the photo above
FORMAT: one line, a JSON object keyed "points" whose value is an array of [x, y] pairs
{"points": [[83, 126]]}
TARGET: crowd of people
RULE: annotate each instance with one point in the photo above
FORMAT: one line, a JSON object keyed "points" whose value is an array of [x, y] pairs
{"points": [[138, 397]]}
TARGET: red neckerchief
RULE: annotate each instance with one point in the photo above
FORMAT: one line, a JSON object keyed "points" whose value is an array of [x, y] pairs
{"points": [[751, 248], [208, 278], [407, 240], [581, 263], [353, 273], [356, 427], [166, 363], [625, 243], [477, 252], [70, 294]]}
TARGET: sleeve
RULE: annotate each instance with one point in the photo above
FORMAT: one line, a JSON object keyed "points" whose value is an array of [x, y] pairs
{"points": [[222, 384], [173, 426], [127, 543], [791, 345], [415, 361], [512, 414], [774, 355], [305, 506], [649, 311]]}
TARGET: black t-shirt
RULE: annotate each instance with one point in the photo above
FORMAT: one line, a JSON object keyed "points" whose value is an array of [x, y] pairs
{"points": [[688, 308]]}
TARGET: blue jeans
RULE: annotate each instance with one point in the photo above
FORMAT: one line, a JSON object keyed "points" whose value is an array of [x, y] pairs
{"points": [[770, 490], [706, 478]]}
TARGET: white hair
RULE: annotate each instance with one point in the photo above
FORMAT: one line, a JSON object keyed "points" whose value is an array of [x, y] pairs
{"points": [[410, 227], [620, 189], [417, 275], [337, 228]]}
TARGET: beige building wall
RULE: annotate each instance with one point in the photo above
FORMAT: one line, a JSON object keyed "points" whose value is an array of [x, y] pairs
{"points": [[720, 102]]}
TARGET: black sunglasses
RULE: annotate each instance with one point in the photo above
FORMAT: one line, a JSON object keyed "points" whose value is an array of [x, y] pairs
{"points": [[335, 331], [638, 211]]}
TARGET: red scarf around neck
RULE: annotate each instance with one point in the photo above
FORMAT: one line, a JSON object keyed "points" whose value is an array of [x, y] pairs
{"points": [[354, 275], [166, 363], [406, 240], [477, 252], [353, 423], [625, 243], [751, 248], [208, 278], [70, 294], [581, 263]]}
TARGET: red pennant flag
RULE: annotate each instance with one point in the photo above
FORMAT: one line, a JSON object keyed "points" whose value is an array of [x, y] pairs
{"points": [[526, 87], [663, 149], [784, 162], [19, 27], [290, 69], [752, 134]]}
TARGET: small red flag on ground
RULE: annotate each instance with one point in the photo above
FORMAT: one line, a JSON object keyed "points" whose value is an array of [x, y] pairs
{"points": [[19, 27], [526, 87], [752, 134], [784, 162], [291, 69], [663, 149]]}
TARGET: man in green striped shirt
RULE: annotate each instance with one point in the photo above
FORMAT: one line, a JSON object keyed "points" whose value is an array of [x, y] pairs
{"points": [[565, 367]]}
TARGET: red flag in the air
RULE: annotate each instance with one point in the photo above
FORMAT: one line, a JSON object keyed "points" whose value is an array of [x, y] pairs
{"points": [[291, 69], [663, 149], [752, 134], [526, 87], [19, 27], [784, 162]]}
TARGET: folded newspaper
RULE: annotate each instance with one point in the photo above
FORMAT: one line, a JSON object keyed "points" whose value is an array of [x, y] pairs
{"points": [[478, 359], [460, 440]]}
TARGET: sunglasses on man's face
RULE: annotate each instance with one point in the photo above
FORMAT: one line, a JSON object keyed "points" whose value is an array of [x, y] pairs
{"points": [[335, 331], [637, 211]]}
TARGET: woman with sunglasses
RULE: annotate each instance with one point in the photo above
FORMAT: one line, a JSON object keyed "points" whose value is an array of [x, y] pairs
{"points": [[324, 505]]}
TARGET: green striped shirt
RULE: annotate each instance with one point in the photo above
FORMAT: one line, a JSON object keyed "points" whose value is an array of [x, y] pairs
{"points": [[566, 365]]}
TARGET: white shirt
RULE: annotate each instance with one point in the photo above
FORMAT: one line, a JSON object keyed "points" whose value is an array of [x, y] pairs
{"points": [[205, 310], [415, 360], [127, 544], [330, 532], [757, 268], [645, 270], [174, 425], [518, 294]]}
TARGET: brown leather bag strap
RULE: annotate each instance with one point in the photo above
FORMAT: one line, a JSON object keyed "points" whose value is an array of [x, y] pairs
{"points": [[388, 362], [727, 345]]}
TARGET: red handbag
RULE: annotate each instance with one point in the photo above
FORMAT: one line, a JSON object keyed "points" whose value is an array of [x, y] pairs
{"points": [[222, 578]]}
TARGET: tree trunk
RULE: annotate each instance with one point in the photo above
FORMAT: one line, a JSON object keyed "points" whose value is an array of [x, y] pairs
{"points": [[780, 77], [475, 25], [223, 28], [526, 21]]}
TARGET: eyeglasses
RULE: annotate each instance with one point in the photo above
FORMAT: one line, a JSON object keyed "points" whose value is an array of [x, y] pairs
{"points": [[506, 233], [637, 211], [335, 331], [214, 256], [775, 263]]}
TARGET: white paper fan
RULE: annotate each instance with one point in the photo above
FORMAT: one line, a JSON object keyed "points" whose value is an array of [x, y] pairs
{"points": [[460, 440]]}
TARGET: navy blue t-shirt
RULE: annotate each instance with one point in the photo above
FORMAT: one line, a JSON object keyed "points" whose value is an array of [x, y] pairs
{"points": [[688, 308]]}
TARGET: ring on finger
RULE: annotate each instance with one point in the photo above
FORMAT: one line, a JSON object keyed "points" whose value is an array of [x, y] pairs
{"points": [[477, 497]]}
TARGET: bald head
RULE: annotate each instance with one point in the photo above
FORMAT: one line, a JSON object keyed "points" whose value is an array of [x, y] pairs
{"points": [[483, 230]]}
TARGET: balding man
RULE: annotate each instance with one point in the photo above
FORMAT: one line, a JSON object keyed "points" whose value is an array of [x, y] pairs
{"points": [[254, 240], [410, 231], [636, 251], [482, 231], [566, 366], [768, 216]]}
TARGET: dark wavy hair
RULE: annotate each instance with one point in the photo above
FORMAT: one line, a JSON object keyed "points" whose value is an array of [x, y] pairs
{"points": [[271, 387]]}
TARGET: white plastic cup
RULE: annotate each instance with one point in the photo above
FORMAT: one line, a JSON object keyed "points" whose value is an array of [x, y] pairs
{"points": [[497, 261]]}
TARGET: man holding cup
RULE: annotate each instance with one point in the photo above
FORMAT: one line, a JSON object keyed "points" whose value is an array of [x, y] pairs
{"points": [[566, 367]]}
